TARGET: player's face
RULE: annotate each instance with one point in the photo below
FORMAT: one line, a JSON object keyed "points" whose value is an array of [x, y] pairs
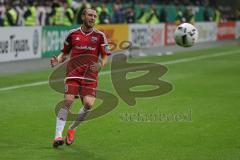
{"points": [[89, 18]]}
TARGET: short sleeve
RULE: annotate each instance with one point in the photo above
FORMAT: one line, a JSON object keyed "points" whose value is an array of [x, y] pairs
{"points": [[105, 49]]}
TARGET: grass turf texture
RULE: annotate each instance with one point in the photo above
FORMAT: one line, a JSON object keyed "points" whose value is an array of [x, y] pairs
{"points": [[209, 87]]}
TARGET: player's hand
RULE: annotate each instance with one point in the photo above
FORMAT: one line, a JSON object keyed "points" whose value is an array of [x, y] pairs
{"points": [[54, 61], [95, 67]]}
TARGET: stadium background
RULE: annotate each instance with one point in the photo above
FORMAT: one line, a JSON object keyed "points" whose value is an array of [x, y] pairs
{"points": [[205, 79]]}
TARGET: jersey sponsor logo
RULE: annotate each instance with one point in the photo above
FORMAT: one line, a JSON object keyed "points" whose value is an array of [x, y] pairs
{"points": [[77, 39], [94, 39], [86, 48]]}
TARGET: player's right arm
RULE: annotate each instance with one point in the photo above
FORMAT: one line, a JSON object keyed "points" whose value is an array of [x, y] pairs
{"points": [[64, 52], [58, 59]]}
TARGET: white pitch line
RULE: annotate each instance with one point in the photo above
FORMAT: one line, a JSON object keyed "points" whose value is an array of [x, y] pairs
{"points": [[107, 72], [24, 85], [200, 57]]}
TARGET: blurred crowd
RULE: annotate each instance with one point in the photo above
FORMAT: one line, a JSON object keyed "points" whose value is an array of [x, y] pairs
{"points": [[68, 12]]}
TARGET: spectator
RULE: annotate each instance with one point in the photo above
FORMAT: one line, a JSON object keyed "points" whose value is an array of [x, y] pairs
{"points": [[163, 15], [179, 18], [75, 5], [20, 11], [55, 17], [189, 16], [2, 12], [41, 13], [30, 15], [98, 7], [68, 15], [118, 4], [206, 14], [216, 15], [104, 17], [49, 13], [118, 15], [142, 18], [152, 15], [130, 15], [10, 18]]}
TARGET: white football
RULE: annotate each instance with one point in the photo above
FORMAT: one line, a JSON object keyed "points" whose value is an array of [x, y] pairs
{"points": [[186, 35]]}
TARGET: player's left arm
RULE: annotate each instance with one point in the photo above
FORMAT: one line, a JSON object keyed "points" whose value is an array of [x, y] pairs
{"points": [[104, 50], [104, 53], [103, 61]]}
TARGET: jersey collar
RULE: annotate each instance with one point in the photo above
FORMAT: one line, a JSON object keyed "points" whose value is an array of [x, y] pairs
{"points": [[84, 32]]}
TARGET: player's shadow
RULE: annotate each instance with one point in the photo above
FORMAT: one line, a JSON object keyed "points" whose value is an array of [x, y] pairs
{"points": [[71, 152]]}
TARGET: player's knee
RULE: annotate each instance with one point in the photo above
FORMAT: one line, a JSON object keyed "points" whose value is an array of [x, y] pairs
{"points": [[88, 104], [68, 101]]}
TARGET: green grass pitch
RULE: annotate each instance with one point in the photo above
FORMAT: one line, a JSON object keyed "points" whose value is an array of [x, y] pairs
{"points": [[208, 87]]}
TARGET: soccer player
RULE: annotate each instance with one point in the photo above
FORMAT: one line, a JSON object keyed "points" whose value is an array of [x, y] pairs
{"points": [[84, 46]]}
